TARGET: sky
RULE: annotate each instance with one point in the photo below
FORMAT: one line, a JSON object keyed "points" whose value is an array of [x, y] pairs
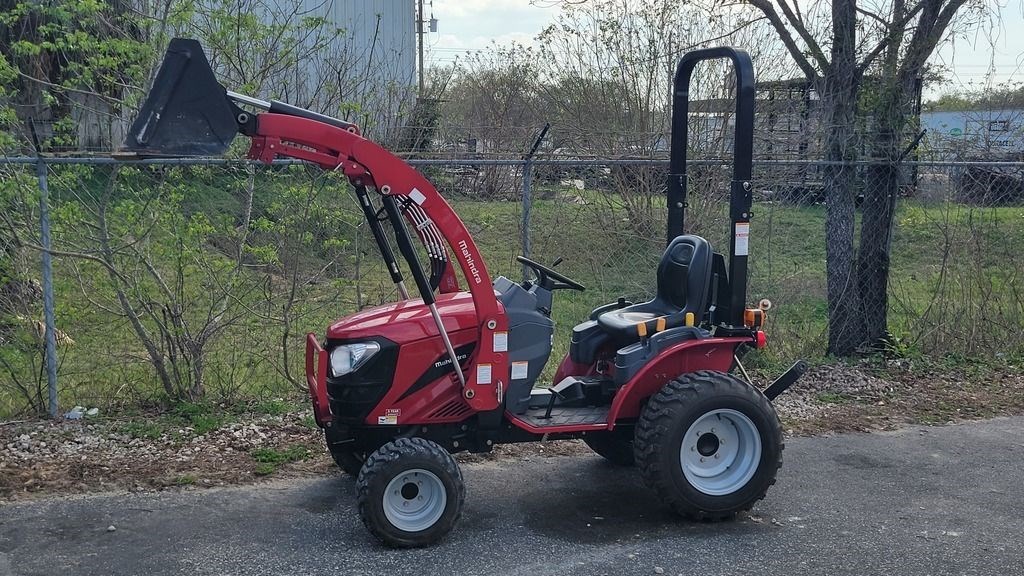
{"points": [[472, 24]]}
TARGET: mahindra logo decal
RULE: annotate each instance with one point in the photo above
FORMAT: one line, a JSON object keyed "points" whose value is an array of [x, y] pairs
{"points": [[468, 257]]}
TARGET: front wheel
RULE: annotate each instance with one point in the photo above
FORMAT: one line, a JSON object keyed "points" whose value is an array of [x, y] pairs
{"points": [[410, 493], [709, 444], [348, 458]]}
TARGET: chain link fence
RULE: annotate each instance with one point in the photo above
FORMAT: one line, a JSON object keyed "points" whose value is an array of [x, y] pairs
{"points": [[199, 278]]}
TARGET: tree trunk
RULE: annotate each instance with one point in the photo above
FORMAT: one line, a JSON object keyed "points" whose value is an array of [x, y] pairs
{"points": [[845, 328], [882, 180]]}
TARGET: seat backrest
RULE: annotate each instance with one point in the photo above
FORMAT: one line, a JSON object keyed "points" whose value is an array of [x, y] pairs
{"points": [[684, 274]]}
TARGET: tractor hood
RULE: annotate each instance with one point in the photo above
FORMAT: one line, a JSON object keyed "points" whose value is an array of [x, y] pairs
{"points": [[408, 320]]}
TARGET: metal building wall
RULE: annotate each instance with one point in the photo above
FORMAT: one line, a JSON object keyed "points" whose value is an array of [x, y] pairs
{"points": [[373, 62]]}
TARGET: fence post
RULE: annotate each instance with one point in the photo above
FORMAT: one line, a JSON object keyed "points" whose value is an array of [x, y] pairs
{"points": [[527, 195], [50, 336], [527, 202]]}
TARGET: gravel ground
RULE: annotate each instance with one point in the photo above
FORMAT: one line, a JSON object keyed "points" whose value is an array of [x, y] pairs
{"points": [[137, 453]]}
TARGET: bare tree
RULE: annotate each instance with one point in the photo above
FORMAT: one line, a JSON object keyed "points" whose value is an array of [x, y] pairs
{"points": [[892, 41]]}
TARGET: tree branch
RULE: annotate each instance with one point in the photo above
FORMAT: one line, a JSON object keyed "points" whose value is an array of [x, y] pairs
{"points": [[884, 43], [812, 44], [780, 27]]}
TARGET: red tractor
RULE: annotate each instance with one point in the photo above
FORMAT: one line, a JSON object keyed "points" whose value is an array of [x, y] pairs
{"points": [[399, 388]]}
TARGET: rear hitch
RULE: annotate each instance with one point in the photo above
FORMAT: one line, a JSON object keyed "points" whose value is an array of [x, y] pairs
{"points": [[782, 383]]}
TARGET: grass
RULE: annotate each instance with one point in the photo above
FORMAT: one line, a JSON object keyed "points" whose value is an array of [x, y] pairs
{"points": [[832, 398], [953, 286], [144, 428], [202, 418], [268, 460], [275, 407]]}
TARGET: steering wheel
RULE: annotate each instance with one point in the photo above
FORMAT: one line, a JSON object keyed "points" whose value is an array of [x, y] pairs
{"points": [[548, 278]]}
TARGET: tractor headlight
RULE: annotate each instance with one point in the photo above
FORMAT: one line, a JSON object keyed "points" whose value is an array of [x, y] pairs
{"points": [[349, 357]]}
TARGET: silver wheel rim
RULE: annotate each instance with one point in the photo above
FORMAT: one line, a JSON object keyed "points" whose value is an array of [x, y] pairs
{"points": [[720, 452], [414, 500]]}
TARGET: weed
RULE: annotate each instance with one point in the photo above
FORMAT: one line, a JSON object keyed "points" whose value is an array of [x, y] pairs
{"points": [[275, 407], [147, 429], [185, 480], [282, 456], [265, 468], [203, 418], [270, 459], [832, 398]]}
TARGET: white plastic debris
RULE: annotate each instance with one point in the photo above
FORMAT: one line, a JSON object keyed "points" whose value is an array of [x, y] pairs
{"points": [[75, 413]]}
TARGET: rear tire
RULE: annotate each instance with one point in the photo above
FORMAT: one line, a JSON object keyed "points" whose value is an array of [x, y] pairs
{"points": [[709, 444], [615, 446], [410, 493]]}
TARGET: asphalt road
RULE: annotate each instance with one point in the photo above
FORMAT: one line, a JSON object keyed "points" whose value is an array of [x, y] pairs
{"points": [[919, 501]]}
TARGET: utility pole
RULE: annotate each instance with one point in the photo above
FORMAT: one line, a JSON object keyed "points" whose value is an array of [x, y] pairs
{"points": [[419, 31]]}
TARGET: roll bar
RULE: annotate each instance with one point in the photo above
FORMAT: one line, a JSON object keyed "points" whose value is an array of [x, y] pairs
{"points": [[740, 189]]}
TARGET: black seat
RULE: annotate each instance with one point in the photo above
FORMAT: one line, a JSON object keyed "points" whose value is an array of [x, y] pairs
{"points": [[683, 277]]}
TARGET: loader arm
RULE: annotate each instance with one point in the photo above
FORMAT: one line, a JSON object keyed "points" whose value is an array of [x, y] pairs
{"points": [[368, 164]]}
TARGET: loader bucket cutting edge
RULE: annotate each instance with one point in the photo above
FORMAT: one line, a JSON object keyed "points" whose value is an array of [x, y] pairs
{"points": [[186, 113]]}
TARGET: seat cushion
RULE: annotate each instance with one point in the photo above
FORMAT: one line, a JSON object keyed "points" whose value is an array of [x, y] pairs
{"points": [[621, 323]]}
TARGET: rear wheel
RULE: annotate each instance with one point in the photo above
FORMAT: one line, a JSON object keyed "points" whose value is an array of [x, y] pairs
{"points": [[410, 493], [709, 444], [615, 446]]}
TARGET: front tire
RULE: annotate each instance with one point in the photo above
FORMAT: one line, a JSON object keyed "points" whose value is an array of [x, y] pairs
{"points": [[344, 455], [410, 493], [709, 444]]}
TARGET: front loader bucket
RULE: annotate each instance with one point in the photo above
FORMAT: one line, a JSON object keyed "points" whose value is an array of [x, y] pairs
{"points": [[187, 112]]}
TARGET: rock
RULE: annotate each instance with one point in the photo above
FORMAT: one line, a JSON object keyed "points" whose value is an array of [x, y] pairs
{"points": [[111, 528], [659, 570], [92, 412]]}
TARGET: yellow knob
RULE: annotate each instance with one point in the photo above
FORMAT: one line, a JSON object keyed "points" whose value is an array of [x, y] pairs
{"points": [[689, 318]]}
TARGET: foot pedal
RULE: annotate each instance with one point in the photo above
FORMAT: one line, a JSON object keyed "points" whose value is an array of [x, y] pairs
{"points": [[567, 392]]}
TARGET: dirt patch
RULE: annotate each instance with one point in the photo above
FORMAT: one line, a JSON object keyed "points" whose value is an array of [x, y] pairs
{"points": [[868, 397], [157, 452]]}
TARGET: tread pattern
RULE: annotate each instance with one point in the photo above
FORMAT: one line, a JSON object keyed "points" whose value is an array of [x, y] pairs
{"points": [[374, 472], [661, 412]]}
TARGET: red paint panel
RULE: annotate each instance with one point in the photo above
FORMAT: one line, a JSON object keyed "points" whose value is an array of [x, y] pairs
{"points": [[688, 356], [408, 320], [414, 359]]}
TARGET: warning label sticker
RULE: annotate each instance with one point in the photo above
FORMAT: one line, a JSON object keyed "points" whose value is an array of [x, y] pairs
{"points": [[483, 373], [742, 238], [389, 420], [520, 370], [417, 196], [501, 341]]}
